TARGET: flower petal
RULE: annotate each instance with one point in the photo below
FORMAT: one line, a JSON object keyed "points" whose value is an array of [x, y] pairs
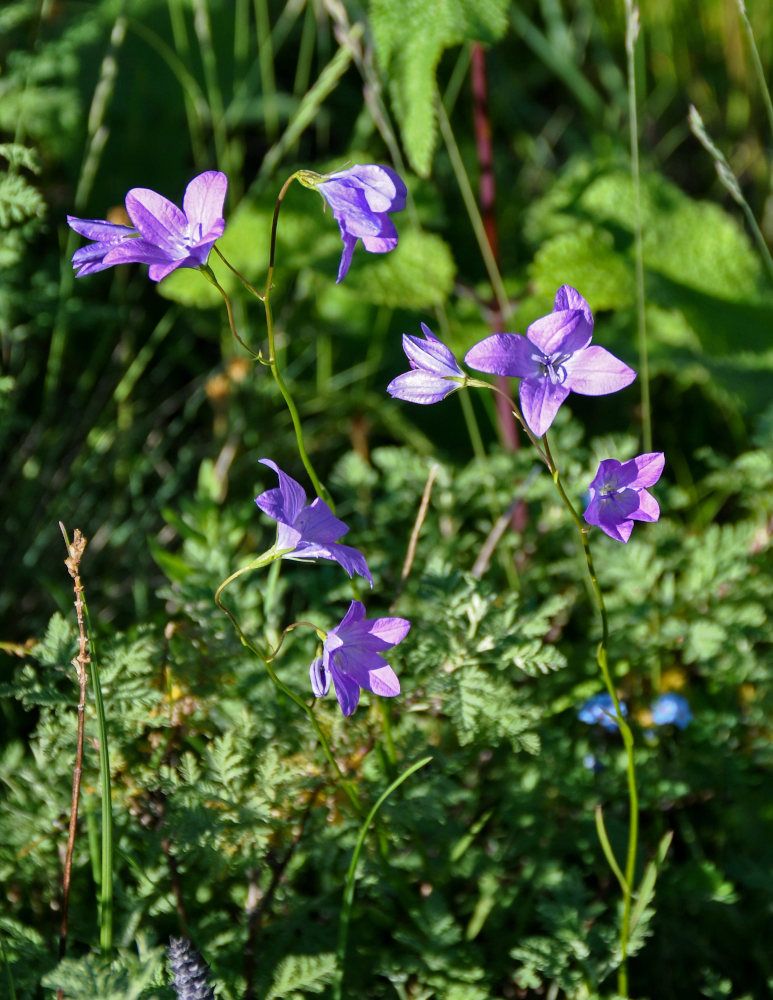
{"points": [[350, 242], [100, 230], [565, 330], [503, 354], [159, 220], [318, 523], [649, 468], [430, 354], [319, 676], [286, 501], [347, 690], [569, 298], [648, 508], [421, 387], [203, 202], [390, 630], [540, 401], [595, 371]]}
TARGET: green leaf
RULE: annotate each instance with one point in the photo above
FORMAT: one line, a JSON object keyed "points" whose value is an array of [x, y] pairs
{"points": [[302, 972], [410, 37]]}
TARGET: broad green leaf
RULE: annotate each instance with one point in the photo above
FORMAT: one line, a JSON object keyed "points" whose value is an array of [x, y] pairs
{"points": [[410, 37]]}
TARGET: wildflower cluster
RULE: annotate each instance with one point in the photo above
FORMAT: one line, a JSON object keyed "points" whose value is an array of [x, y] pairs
{"points": [[553, 359]]}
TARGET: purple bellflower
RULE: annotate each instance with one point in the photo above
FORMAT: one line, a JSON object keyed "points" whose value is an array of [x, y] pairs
{"points": [[434, 373], [350, 657], [164, 236], [361, 197], [671, 709], [600, 711], [308, 531], [618, 494], [552, 360]]}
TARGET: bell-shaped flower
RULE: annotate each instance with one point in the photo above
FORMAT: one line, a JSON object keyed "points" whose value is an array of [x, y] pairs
{"points": [[618, 494], [351, 658], [308, 531], [164, 236], [434, 374], [554, 358], [361, 198]]}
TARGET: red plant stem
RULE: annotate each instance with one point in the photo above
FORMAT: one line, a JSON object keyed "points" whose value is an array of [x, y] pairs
{"points": [[508, 428]]}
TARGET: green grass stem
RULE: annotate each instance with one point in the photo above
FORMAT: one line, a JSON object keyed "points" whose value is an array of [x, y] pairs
{"points": [[631, 34], [351, 875]]}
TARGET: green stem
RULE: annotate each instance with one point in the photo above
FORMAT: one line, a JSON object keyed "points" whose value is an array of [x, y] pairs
{"points": [[627, 735], [347, 785], [106, 887], [351, 875], [632, 31]]}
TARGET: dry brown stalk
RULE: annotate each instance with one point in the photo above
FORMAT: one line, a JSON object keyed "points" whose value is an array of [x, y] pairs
{"points": [[75, 551]]}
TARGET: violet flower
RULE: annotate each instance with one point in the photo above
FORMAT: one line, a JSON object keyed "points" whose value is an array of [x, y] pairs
{"points": [[308, 531], [618, 496], [434, 374], [600, 711], [552, 360], [671, 709], [361, 197], [350, 658], [164, 236]]}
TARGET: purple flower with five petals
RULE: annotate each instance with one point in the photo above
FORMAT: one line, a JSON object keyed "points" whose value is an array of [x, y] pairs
{"points": [[350, 657], [434, 373], [618, 494], [164, 236], [308, 531], [361, 197], [552, 360]]}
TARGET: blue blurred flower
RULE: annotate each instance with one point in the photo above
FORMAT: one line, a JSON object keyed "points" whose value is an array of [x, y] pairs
{"points": [[671, 710], [600, 710]]}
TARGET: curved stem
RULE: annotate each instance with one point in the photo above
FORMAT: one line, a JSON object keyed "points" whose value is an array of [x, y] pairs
{"points": [[347, 785], [272, 362], [625, 731], [209, 274]]}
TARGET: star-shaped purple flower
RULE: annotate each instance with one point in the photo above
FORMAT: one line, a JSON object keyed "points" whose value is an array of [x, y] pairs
{"points": [[361, 197], [434, 374], [350, 657], [308, 531], [552, 360], [600, 711], [671, 709], [164, 236], [618, 494]]}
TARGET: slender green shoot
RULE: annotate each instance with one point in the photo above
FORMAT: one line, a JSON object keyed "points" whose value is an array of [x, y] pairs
{"points": [[632, 26], [728, 180], [758, 67], [351, 875]]}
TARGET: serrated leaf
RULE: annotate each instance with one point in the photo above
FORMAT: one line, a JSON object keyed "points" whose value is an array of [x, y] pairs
{"points": [[302, 972], [410, 37]]}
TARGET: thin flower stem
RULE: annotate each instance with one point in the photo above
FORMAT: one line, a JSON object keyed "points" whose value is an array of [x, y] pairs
{"points": [[625, 730], [209, 274], [631, 34], [250, 287], [347, 785], [351, 875]]}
